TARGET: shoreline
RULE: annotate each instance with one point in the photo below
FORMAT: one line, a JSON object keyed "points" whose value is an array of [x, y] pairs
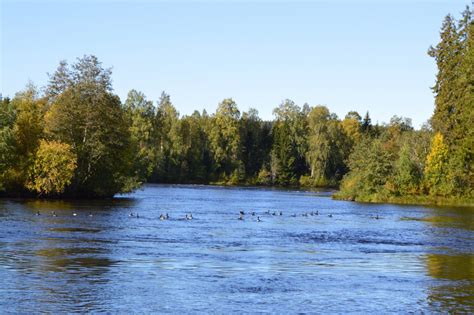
{"points": [[332, 192]]}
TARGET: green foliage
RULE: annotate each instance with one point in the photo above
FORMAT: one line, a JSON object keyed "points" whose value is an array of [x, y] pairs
{"points": [[288, 162], [371, 166], [141, 119], [7, 155], [396, 163], [91, 119], [95, 126], [328, 148], [7, 141], [53, 168], [78, 139], [224, 136], [407, 175]]}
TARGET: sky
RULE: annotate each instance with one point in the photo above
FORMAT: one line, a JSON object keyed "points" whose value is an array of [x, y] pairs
{"points": [[346, 55]]}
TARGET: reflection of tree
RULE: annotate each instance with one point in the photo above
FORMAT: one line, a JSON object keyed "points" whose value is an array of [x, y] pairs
{"points": [[452, 217], [79, 265], [456, 287], [87, 205]]}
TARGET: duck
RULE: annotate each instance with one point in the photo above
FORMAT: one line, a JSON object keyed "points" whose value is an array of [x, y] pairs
{"points": [[253, 213], [241, 217], [90, 214], [131, 214], [242, 212], [258, 219], [167, 216], [137, 216], [377, 217], [317, 212], [293, 215], [162, 217], [38, 213], [53, 213], [281, 212], [274, 213], [74, 214], [330, 215]]}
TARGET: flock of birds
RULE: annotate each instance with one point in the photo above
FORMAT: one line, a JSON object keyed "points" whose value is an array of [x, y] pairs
{"points": [[241, 217]]}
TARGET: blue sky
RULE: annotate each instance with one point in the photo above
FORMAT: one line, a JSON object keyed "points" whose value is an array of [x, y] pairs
{"points": [[347, 55]]}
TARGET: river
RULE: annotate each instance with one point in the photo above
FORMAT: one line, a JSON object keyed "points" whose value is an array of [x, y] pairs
{"points": [[319, 255]]}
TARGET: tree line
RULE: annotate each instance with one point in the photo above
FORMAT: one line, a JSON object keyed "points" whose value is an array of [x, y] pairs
{"points": [[76, 138]]}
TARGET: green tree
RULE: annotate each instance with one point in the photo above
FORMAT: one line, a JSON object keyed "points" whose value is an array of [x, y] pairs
{"points": [[328, 147], [168, 141], [141, 119], [454, 99], [371, 166], [91, 119], [8, 155], [225, 142], [256, 142], [407, 175], [289, 148]]}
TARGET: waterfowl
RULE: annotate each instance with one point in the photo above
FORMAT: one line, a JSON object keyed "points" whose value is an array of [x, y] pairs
{"points": [[330, 215], [162, 217], [274, 213], [167, 216], [242, 212], [130, 214], [90, 214], [241, 217], [293, 215], [38, 213], [281, 213], [268, 212], [258, 219], [74, 214], [377, 217], [137, 216], [53, 213], [253, 213], [317, 212]]}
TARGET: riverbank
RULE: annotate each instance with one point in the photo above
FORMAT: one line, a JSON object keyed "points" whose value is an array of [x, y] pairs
{"points": [[408, 200]]}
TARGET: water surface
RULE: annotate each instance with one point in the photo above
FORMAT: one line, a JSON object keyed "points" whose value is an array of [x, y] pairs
{"points": [[410, 259]]}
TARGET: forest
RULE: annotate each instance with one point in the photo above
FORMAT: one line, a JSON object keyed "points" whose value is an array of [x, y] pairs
{"points": [[75, 138]]}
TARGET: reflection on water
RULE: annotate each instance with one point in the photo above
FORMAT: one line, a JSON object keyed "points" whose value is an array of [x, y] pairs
{"points": [[455, 290], [415, 259]]}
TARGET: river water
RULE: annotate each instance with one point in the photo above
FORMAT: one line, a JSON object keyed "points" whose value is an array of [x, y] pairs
{"points": [[410, 259]]}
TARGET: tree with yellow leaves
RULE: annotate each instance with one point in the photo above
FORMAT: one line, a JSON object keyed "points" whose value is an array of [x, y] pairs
{"points": [[53, 168], [436, 170]]}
